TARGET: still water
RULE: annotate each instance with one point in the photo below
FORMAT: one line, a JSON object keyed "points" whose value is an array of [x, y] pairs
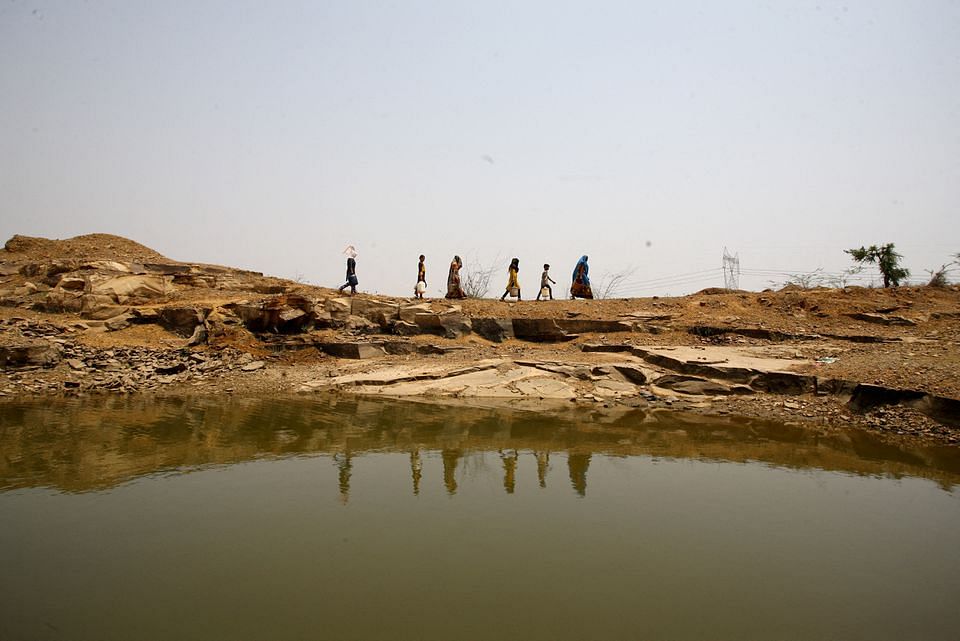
{"points": [[249, 518]]}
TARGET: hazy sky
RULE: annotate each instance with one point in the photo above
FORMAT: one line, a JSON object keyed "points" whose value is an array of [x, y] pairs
{"points": [[649, 135]]}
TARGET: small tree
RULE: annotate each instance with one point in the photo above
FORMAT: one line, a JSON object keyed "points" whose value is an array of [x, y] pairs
{"points": [[885, 258], [938, 278], [841, 280], [610, 283], [475, 279], [803, 281]]}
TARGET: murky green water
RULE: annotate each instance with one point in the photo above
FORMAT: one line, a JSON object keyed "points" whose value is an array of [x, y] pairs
{"points": [[364, 519]]}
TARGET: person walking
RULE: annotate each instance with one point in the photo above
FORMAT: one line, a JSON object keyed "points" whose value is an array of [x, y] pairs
{"points": [[352, 281], [581, 280], [513, 281], [421, 286], [454, 290], [545, 281]]}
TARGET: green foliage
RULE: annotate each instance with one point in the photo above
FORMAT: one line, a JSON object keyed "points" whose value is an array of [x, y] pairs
{"points": [[885, 258]]}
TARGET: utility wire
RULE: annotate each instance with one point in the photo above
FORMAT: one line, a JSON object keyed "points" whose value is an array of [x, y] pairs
{"points": [[671, 281], [674, 277], [705, 277]]}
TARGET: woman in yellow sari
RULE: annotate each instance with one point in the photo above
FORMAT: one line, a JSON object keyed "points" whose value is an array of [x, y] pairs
{"points": [[513, 281]]}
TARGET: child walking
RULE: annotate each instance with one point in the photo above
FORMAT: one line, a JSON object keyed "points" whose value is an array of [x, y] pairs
{"points": [[421, 278], [545, 281]]}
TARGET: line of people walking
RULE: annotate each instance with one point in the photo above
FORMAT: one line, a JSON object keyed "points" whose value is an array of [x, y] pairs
{"points": [[579, 288]]}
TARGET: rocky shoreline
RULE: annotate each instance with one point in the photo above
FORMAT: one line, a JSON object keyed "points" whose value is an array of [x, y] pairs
{"points": [[102, 314]]}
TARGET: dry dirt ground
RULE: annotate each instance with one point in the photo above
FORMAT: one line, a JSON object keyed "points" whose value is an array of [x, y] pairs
{"points": [[904, 342]]}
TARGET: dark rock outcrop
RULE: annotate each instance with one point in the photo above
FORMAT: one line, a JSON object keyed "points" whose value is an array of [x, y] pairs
{"points": [[398, 348], [181, 320], [403, 328], [27, 353], [750, 332], [496, 330], [540, 330], [352, 350], [603, 347], [882, 319], [699, 386], [287, 314], [448, 324], [632, 373], [784, 383], [589, 325]]}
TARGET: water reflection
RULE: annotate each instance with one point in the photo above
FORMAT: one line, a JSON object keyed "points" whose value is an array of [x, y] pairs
{"points": [[416, 470], [450, 460], [344, 468], [339, 518], [578, 464], [509, 460], [543, 465], [80, 445]]}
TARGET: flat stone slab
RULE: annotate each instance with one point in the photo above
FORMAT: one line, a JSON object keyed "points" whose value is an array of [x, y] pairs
{"points": [[545, 388], [405, 374], [490, 382], [614, 389], [493, 378], [648, 316], [751, 366], [721, 358]]}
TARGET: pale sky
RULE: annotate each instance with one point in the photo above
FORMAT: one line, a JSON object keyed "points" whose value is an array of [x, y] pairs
{"points": [[648, 135]]}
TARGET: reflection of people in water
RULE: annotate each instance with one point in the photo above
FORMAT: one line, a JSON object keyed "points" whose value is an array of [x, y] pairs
{"points": [[509, 470], [577, 465], [416, 469], [344, 467], [450, 460], [543, 465]]}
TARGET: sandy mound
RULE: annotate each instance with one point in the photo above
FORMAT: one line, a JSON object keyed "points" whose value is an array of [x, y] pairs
{"points": [[86, 247]]}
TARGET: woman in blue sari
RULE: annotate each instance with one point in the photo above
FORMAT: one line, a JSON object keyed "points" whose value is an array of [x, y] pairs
{"points": [[581, 280]]}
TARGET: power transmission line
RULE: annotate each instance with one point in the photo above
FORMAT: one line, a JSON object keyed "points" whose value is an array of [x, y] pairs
{"points": [[674, 277], [731, 273], [731, 270]]}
